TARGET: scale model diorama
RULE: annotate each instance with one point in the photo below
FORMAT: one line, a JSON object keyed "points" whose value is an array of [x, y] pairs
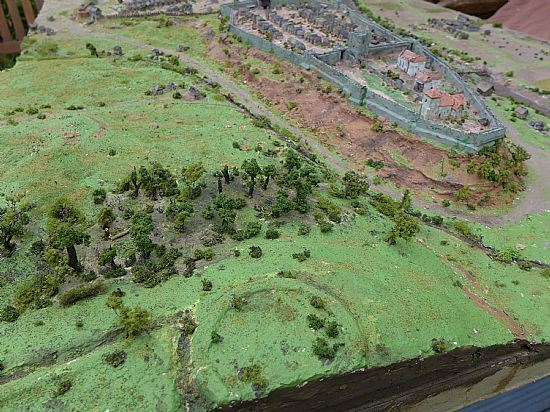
{"points": [[301, 205]]}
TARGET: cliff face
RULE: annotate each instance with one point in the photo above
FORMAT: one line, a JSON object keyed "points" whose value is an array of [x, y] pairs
{"points": [[528, 16], [480, 8]]}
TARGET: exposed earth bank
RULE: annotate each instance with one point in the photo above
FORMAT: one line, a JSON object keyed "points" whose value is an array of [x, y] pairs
{"points": [[404, 383], [528, 16], [480, 8]]}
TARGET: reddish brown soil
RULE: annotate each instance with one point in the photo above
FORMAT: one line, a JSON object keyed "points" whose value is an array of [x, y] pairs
{"points": [[409, 162], [474, 295], [528, 16]]}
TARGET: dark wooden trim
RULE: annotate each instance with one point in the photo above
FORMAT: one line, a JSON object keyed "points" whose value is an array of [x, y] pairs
{"points": [[10, 47], [29, 12], [16, 19], [4, 28]]}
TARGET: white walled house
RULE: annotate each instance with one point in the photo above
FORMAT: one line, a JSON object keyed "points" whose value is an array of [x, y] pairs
{"points": [[411, 63]]}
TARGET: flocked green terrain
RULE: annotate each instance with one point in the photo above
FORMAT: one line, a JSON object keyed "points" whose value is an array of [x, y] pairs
{"points": [[71, 123]]}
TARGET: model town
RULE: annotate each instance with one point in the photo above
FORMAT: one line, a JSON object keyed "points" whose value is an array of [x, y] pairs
{"points": [[271, 205]]}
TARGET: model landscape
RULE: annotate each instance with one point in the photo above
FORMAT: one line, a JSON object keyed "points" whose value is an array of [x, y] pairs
{"points": [[204, 203]]}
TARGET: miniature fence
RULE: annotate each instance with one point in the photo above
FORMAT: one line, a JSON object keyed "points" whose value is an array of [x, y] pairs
{"points": [[13, 25], [359, 94]]}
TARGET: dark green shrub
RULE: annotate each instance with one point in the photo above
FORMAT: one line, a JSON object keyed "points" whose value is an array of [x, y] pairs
{"points": [[323, 350], [206, 285], [446, 203], [317, 302], [99, 196], [115, 273], [375, 164], [304, 230], [315, 322], [255, 252], [9, 314], [272, 233], [302, 256], [440, 345], [508, 255], [189, 325], [208, 213], [525, 265], [62, 387], [286, 274], [204, 254], [81, 292], [144, 276], [116, 358], [253, 374], [216, 338], [332, 329], [250, 230], [331, 210], [238, 302], [128, 213]]}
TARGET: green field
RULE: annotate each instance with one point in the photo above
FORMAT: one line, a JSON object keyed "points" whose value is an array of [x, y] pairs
{"points": [[388, 301]]}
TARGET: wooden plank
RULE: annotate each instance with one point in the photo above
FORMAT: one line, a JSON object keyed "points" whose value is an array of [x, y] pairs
{"points": [[29, 12], [16, 19], [4, 28], [39, 4], [10, 47]]}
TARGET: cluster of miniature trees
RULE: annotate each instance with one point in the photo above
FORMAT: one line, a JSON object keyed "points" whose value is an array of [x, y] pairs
{"points": [[167, 202]]}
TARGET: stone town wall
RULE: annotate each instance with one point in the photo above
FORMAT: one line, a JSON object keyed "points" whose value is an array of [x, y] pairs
{"points": [[359, 94]]}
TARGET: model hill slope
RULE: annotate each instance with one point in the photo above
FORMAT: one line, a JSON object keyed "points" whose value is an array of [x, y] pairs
{"points": [[185, 297], [528, 16]]}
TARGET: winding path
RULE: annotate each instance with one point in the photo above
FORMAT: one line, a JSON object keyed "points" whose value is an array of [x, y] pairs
{"points": [[537, 196]]}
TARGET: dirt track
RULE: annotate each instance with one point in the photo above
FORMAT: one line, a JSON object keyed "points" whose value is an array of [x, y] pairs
{"points": [[535, 201]]}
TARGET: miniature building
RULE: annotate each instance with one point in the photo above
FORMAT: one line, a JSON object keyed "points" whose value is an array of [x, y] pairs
{"points": [[538, 125], [359, 44], [521, 112], [485, 88], [437, 105], [427, 80], [411, 63]]}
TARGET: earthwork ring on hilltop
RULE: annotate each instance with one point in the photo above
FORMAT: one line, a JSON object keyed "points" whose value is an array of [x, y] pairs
{"points": [[272, 327]]}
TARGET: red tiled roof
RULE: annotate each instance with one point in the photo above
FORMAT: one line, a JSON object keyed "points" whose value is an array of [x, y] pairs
{"points": [[427, 76], [459, 101], [433, 93], [413, 57]]}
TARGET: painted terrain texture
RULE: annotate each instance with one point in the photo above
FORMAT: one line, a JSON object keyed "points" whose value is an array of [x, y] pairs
{"points": [[72, 122]]}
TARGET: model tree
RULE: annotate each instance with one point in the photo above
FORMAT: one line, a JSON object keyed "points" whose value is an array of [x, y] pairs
{"points": [[405, 227], [158, 181], [134, 321], [107, 257], [13, 220], [406, 201], [269, 171], [67, 228], [252, 170], [142, 225], [225, 173], [105, 218], [355, 185], [136, 182], [192, 179]]}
